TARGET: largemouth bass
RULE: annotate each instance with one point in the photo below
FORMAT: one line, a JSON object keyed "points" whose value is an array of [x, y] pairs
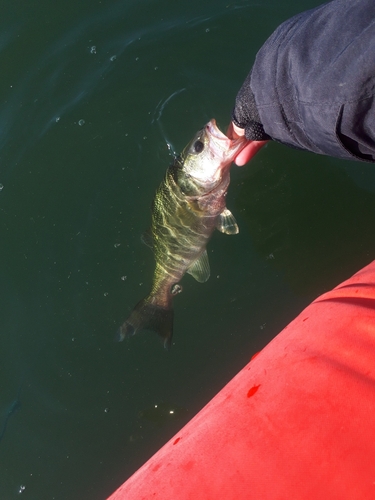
{"points": [[188, 206]]}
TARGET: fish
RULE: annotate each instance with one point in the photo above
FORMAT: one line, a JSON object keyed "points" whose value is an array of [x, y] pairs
{"points": [[188, 206]]}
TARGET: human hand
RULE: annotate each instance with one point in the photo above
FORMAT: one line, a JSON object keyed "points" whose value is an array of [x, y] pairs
{"points": [[251, 148]]}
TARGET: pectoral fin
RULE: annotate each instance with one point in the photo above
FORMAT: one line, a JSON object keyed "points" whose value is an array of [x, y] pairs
{"points": [[200, 269], [227, 223]]}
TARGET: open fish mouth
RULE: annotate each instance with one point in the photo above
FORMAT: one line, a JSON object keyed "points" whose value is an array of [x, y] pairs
{"points": [[221, 145], [214, 130]]}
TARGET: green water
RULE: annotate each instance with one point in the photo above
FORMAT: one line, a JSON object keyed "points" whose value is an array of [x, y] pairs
{"points": [[91, 94]]}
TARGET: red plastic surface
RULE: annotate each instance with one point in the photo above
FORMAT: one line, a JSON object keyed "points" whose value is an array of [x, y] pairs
{"points": [[298, 422]]}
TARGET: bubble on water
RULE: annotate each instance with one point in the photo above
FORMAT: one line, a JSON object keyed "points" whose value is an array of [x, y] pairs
{"points": [[105, 294], [124, 278], [57, 119], [113, 58], [81, 122], [93, 49], [207, 30], [21, 489], [1, 187], [116, 245]]}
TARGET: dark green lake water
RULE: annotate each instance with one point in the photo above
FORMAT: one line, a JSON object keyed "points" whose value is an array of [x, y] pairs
{"points": [[91, 93]]}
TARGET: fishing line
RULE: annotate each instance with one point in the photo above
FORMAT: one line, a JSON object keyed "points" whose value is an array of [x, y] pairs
{"points": [[159, 110]]}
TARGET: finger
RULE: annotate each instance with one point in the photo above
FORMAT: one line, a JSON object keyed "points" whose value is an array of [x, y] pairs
{"points": [[248, 152], [234, 132]]}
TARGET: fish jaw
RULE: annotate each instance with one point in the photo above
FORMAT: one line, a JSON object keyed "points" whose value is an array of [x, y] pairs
{"points": [[208, 167], [221, 146]]}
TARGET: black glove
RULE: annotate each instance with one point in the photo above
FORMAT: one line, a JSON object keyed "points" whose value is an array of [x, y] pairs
{"points": [[245, 114]]}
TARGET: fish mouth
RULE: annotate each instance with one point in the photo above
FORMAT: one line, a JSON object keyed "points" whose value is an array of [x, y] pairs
{"points": [[214, 130], [221, 145], [218, 139]]}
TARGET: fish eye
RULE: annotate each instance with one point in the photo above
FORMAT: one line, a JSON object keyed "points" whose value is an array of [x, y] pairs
{"points": [[198, 146]]}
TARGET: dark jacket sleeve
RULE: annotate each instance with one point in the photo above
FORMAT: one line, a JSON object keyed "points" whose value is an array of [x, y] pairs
{"points": [[313, 81]]}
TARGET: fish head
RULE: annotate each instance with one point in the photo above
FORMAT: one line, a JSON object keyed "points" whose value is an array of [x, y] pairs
{"points": [[206, 159]]}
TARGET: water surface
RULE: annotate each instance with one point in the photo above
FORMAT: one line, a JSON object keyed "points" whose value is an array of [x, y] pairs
{"points": [[94, 97]]}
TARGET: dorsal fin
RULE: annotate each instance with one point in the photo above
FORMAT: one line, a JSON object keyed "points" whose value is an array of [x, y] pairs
{"points": [[147, 238]]}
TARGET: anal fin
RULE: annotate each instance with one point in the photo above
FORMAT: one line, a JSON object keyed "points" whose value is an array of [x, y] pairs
{"points": [[200, 269]]}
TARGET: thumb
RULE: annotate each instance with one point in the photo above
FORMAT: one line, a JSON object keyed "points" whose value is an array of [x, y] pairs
{"points": [[250, 150]]}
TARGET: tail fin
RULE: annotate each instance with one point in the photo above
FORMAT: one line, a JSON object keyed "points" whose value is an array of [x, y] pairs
{"points": [[147, 316]]}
